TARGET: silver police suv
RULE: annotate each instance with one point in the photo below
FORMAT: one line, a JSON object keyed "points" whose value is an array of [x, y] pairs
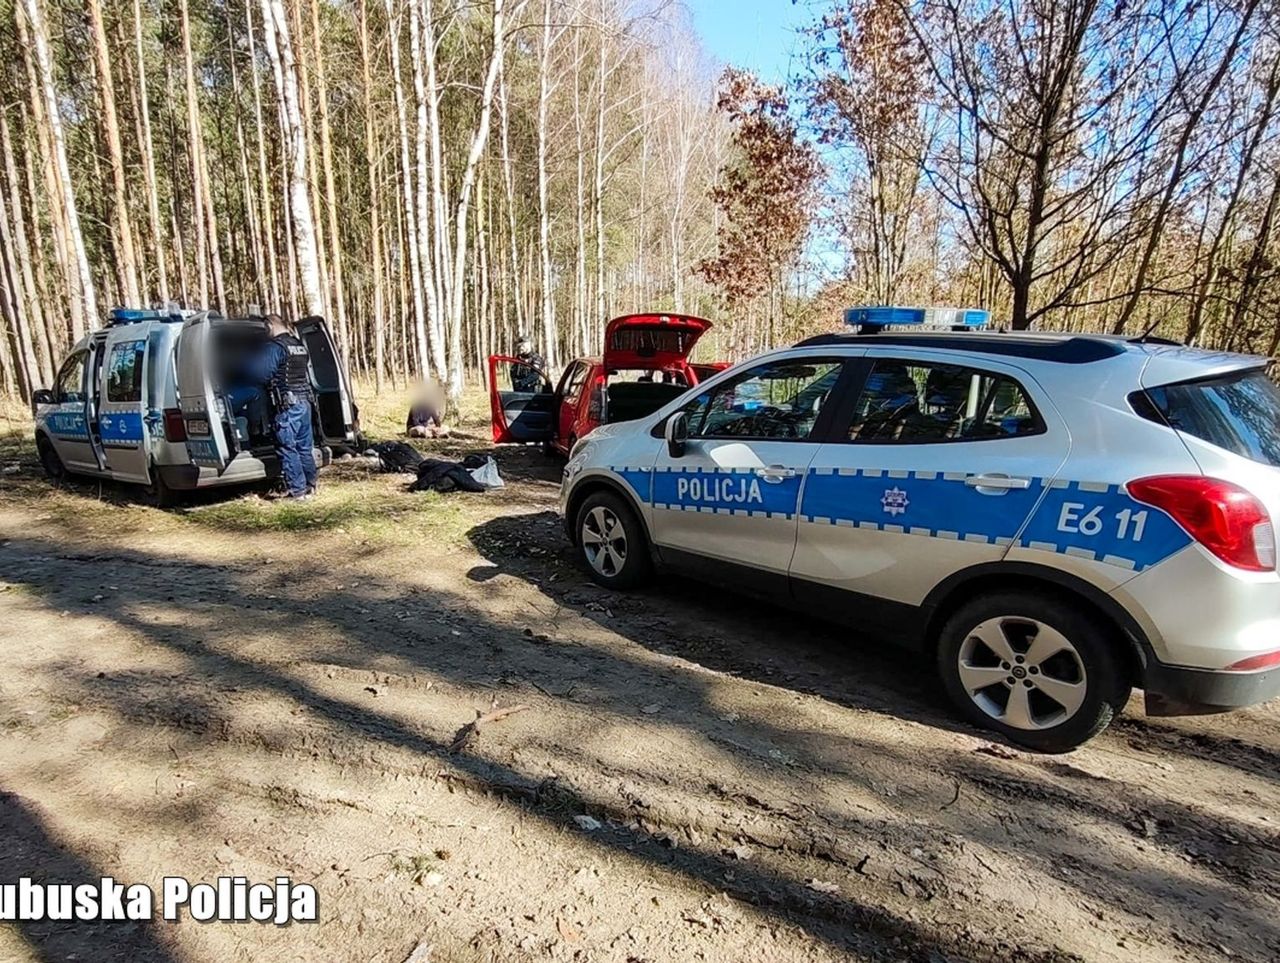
{"points": [[1053, 519]]}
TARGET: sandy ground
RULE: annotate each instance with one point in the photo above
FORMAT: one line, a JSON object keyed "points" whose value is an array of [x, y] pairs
{"points": [[241, 688]]}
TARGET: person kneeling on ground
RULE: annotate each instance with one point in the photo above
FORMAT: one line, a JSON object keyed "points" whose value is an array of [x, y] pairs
{"points": [[426, 414]]}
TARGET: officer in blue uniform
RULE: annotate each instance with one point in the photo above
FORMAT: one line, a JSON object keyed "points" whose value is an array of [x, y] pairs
{"points": [[282, 367]]}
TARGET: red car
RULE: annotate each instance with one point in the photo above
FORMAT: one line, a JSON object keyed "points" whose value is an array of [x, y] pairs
{"points": [[644, 365]]}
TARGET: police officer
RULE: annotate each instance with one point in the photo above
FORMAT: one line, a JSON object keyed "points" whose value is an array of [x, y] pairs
{"points": [[527, 376], [282, 368]]}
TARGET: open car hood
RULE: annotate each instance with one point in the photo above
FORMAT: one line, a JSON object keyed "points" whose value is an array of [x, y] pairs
{"points": [[650, 341]]}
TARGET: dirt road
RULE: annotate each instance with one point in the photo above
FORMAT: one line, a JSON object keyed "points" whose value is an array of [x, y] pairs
{"points": [[245, 688]]}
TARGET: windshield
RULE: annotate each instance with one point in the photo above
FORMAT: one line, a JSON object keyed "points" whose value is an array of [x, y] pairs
{"points": [[1239, 412]]}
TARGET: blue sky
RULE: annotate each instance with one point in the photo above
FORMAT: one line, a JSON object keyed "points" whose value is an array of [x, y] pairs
{"points": [[760, 35]]}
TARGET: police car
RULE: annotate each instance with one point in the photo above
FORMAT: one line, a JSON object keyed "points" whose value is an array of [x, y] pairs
{"points": [[149, 399], [1052, 519]]}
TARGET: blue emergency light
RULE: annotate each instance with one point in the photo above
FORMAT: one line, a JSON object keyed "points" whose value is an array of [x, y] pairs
{"points": [[134, 315], [871, 319]]}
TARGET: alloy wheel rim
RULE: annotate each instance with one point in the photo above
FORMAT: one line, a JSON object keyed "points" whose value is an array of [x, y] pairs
{"points": [[1022, 672], [604, 541]]}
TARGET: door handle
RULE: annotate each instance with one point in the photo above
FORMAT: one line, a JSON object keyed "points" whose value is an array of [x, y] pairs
{"points": [[1001, 483], [775, 473]]}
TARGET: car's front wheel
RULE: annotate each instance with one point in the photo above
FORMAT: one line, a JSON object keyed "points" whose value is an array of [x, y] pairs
{"points": [[1034, 668], [49, 460], [612, 542]]}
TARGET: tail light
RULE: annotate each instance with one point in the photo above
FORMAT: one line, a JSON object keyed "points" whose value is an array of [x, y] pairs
{"points": [[1223, 517], [174, 427]]}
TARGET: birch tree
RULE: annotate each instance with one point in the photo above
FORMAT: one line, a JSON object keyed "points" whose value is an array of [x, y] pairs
{"points": [[280, 53]]}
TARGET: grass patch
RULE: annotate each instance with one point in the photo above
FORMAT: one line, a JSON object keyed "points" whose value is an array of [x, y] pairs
{"points": [[377, 509], [353, 501]]}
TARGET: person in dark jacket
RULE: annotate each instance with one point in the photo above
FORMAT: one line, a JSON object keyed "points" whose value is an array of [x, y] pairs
{"points": [[528, 376], [283, 367]]}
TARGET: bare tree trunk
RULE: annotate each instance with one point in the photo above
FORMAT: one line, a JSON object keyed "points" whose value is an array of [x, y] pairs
{"points": [[26, 254], [407, 197], [197, 163], [256, 241], [433, 236], [327, 162], [13, 299], [461, 238], [280, 53], [264, 182], [375, 228], [48, 97], [147, 151], [550, 341], [122, 227], [509, 195], [597, 184]]}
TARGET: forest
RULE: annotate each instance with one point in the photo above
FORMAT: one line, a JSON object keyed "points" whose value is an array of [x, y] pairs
{"points": [[436, 177]]}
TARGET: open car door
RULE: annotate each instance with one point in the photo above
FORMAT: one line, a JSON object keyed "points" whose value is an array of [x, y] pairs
{"points": [[203, 411], [522, 401], [335, 408], [655, 342]]}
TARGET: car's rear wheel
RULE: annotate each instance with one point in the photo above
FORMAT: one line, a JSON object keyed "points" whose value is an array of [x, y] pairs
{"points": [[1040, 671], [612, 542], [159, 494], [49, 460]]}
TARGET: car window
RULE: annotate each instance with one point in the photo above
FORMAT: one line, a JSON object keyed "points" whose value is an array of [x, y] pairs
{"points": [[920, 402], [575, 381], [777, 401], [71, 379], [1240, 412], [124, 371], [158, 372], [522, 378]]}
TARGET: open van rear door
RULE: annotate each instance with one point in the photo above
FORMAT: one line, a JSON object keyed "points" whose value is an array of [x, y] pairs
{"points": [[334, 405], [203, 412], [521, 400]]}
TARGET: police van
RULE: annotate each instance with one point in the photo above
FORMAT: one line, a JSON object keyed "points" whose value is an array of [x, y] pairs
{"points": [[1050, 519], [152, 399]]}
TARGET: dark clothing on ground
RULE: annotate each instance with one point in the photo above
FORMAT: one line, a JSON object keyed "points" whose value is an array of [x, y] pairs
{"points": [[293, 447], [528, 376], [435, 474], [396, 456]]}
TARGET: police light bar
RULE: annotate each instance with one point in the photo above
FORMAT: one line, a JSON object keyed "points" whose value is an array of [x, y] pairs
{"points": [[170, 312], [871, 319]]}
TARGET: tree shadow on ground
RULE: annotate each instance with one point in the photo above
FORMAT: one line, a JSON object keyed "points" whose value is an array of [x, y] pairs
{"points": [[866, 923], [28, 848]]}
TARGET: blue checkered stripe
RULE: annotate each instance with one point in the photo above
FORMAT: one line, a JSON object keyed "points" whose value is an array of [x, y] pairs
{"points": [[1090, 520], [121, 429], [68, 424], [718, 491]]}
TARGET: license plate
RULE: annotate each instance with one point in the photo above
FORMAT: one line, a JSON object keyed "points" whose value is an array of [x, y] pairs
{"points": [[198, 426]]}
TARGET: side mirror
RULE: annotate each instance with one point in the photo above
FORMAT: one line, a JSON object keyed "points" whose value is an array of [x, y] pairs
{"points": [[677, 434], [42, 396]]}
